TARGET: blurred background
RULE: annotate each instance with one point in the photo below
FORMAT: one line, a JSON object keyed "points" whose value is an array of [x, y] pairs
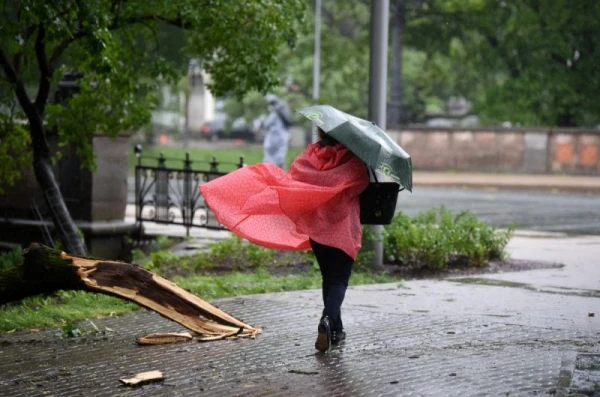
{"points": [[452, 64], [89, 91]]}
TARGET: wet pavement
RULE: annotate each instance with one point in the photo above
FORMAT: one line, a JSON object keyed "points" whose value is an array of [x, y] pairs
{"points": [[515, 334]]}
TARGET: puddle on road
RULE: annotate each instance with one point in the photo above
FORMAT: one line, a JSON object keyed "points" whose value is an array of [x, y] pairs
{"points": [[489, 281], [586, 293]]}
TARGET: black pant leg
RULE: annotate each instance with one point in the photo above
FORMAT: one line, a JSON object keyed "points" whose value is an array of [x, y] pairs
{"points": [[336, 269]]}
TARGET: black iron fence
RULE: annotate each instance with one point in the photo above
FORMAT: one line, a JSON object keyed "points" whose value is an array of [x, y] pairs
{"points": [[167, 192]]}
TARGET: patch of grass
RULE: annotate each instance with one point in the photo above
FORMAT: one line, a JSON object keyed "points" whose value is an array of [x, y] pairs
{"points": [[60, 309], [11, 258], [241, 283], [262, 281], [201, 157], [231, 254]]}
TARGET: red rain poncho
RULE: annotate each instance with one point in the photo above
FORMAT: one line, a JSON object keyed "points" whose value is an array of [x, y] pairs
{"points": [[317, 198]]}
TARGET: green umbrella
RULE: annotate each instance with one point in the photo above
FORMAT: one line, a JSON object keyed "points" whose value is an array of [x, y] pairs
{"points": [[369, 142]]}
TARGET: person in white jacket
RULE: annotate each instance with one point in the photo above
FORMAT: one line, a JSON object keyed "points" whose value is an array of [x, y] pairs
{"points": [[277, 134]]}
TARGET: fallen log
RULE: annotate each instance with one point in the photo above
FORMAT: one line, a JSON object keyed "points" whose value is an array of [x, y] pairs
{"points": [[47, 270]]}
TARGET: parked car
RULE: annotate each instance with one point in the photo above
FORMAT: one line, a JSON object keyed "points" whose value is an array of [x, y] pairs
{"points": [[240, 129], [213, 130]]}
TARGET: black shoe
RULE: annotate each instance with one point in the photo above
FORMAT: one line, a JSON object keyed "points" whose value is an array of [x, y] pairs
{"points": [[337, 337], [323, 342]]}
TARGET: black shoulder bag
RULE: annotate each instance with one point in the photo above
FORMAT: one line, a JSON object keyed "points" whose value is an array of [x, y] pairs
{"points": [[378, 201]]}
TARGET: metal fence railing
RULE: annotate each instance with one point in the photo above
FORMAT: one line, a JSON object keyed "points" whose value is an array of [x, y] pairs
{"points": [[167, 192]]}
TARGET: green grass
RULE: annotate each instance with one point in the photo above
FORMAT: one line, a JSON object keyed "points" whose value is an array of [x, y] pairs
{"points": [[203, 156], [67, 307], [63, 308], [261, 281]]}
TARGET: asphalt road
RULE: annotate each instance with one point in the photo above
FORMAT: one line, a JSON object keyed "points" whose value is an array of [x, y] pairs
{"points": [[528, 210], [569, 213]]}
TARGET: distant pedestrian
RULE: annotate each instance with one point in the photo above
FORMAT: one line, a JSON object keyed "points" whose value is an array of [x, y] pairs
{"points": [[276, 127]]}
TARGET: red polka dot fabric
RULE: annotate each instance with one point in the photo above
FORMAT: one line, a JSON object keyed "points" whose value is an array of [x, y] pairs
{"points": [[317, 198]]}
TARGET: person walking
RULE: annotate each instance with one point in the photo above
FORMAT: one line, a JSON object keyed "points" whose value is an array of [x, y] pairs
{"points": [[276, 126], [313, 206]]}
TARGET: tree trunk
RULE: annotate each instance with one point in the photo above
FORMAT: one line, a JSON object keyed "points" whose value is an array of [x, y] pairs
{"points": [[46, 270], [67, 231]]}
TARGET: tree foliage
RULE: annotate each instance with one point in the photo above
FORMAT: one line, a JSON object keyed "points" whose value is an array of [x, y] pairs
{"points": [[344, 60], [527, 61], [121, 50]]}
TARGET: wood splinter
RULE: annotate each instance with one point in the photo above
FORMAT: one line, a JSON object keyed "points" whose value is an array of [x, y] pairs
{"points": [[164, 338], [143, 377]]}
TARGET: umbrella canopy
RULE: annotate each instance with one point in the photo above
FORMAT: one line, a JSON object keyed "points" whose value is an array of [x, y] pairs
{"points": [[366, 140]]}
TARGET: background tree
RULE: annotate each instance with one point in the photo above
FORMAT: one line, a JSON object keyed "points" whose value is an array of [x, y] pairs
{"points": [[428, 79], [527, 61], [344, 78], [117, 48]]}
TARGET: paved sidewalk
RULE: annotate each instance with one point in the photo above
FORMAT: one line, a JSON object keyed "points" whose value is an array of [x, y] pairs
{"points": [[510, 334], [569, 183]]}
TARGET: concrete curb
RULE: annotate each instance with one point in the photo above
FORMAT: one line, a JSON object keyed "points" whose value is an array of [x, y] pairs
{"points": [[556, 183], [498, 186]]}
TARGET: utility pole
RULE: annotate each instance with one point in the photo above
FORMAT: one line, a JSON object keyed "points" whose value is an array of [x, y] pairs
{"points": [[395, 107], [317, 62], [317, 56], [378, 88]]}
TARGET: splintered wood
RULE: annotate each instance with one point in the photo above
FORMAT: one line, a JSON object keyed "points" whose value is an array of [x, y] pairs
{"points": [[162, 339], [143, 377], [134, 283]]}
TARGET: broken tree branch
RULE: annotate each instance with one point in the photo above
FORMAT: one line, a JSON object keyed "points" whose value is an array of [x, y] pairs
{"points": [[46, 270]]}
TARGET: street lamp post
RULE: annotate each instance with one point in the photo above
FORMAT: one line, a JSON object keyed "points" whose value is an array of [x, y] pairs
{"points": [[194, 82], [378, 89], [317, 60], [317, 57], [395, 108]]}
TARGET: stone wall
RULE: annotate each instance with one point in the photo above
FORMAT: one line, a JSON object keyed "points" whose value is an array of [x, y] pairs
{"points": [[503, 150], [109, 183]]}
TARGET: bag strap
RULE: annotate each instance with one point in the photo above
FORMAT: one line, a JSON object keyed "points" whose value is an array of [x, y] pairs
{"points": [[370, 171]]}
